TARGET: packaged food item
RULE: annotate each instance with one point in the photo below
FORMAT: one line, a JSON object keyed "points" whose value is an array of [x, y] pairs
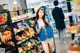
{"points": [[32, 41], [3, 18], [31, 31], [19, 24], [27, 33], [25, 48], [10, 43], [18, 38], [20, 50], [6, 36]]}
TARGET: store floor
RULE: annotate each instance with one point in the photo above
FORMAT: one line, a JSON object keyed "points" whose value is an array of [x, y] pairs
{"points": [[62, 48]]}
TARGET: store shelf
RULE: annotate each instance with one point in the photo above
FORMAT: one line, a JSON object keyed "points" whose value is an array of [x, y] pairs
{"points": [[35, 45], [3, 11], [8, 48], [16, 21], [21, 30], [20, 18], [24, 40], [3, 24]]}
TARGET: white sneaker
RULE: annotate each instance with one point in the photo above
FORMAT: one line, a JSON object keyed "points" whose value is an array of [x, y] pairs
{"points": [[64, 42]]}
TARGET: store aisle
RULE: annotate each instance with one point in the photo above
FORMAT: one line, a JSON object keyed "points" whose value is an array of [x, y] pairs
{"points": [[62, 48]]}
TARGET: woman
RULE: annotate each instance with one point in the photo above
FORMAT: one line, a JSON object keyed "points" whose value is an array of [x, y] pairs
{"points": [[45, 30]]}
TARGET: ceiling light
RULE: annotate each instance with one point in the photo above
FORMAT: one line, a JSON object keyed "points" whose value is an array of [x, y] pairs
{"points": [[15, 1]]}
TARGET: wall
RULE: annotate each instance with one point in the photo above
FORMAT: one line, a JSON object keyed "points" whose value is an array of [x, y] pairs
{"points": [[10, 4], [14, 5], [31, 4], [23, 4], [4, 2]]}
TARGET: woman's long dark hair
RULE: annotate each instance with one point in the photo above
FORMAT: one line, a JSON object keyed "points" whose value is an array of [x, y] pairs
{"points": [[37, 16]]}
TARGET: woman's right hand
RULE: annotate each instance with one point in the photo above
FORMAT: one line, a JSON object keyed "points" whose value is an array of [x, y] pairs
{"points": [[44, 27]]}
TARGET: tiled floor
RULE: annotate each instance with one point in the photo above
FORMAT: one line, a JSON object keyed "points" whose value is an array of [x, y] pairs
{"points": [[62, 48]]}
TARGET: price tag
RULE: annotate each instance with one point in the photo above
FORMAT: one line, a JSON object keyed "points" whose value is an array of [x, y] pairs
{"points": [[73, 31], [2, 50]]}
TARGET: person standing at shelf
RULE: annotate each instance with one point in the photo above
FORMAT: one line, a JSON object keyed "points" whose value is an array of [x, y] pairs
{"points": [[44, 29], [59, 17]]}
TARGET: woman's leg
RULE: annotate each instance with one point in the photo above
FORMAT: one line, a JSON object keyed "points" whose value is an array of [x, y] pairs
{"points": [[50, 45], [45, 47], [59, 33], [62, 36]]}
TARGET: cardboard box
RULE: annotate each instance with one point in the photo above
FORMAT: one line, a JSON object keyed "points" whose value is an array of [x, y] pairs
{"points": [[74, 48]]}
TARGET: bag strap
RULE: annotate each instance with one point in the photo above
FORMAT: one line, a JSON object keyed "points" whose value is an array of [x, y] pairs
{"points": [[37, 25]]}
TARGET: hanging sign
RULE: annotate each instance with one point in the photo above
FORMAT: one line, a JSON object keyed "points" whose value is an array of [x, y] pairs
{"points": [[76, 0], [36, 8], [73, 0], [76, 6], [68, 0]]}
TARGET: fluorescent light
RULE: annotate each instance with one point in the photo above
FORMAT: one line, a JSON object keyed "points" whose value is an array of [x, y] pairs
{"points": [[15, 1]]}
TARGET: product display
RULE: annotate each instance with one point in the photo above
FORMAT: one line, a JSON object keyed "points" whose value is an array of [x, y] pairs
{"points": [[26, 38], [75, 45], [18, 34], [6, 38], [6, 34], [30, 45], [74, 29], [22, 17], [3, 18]]}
